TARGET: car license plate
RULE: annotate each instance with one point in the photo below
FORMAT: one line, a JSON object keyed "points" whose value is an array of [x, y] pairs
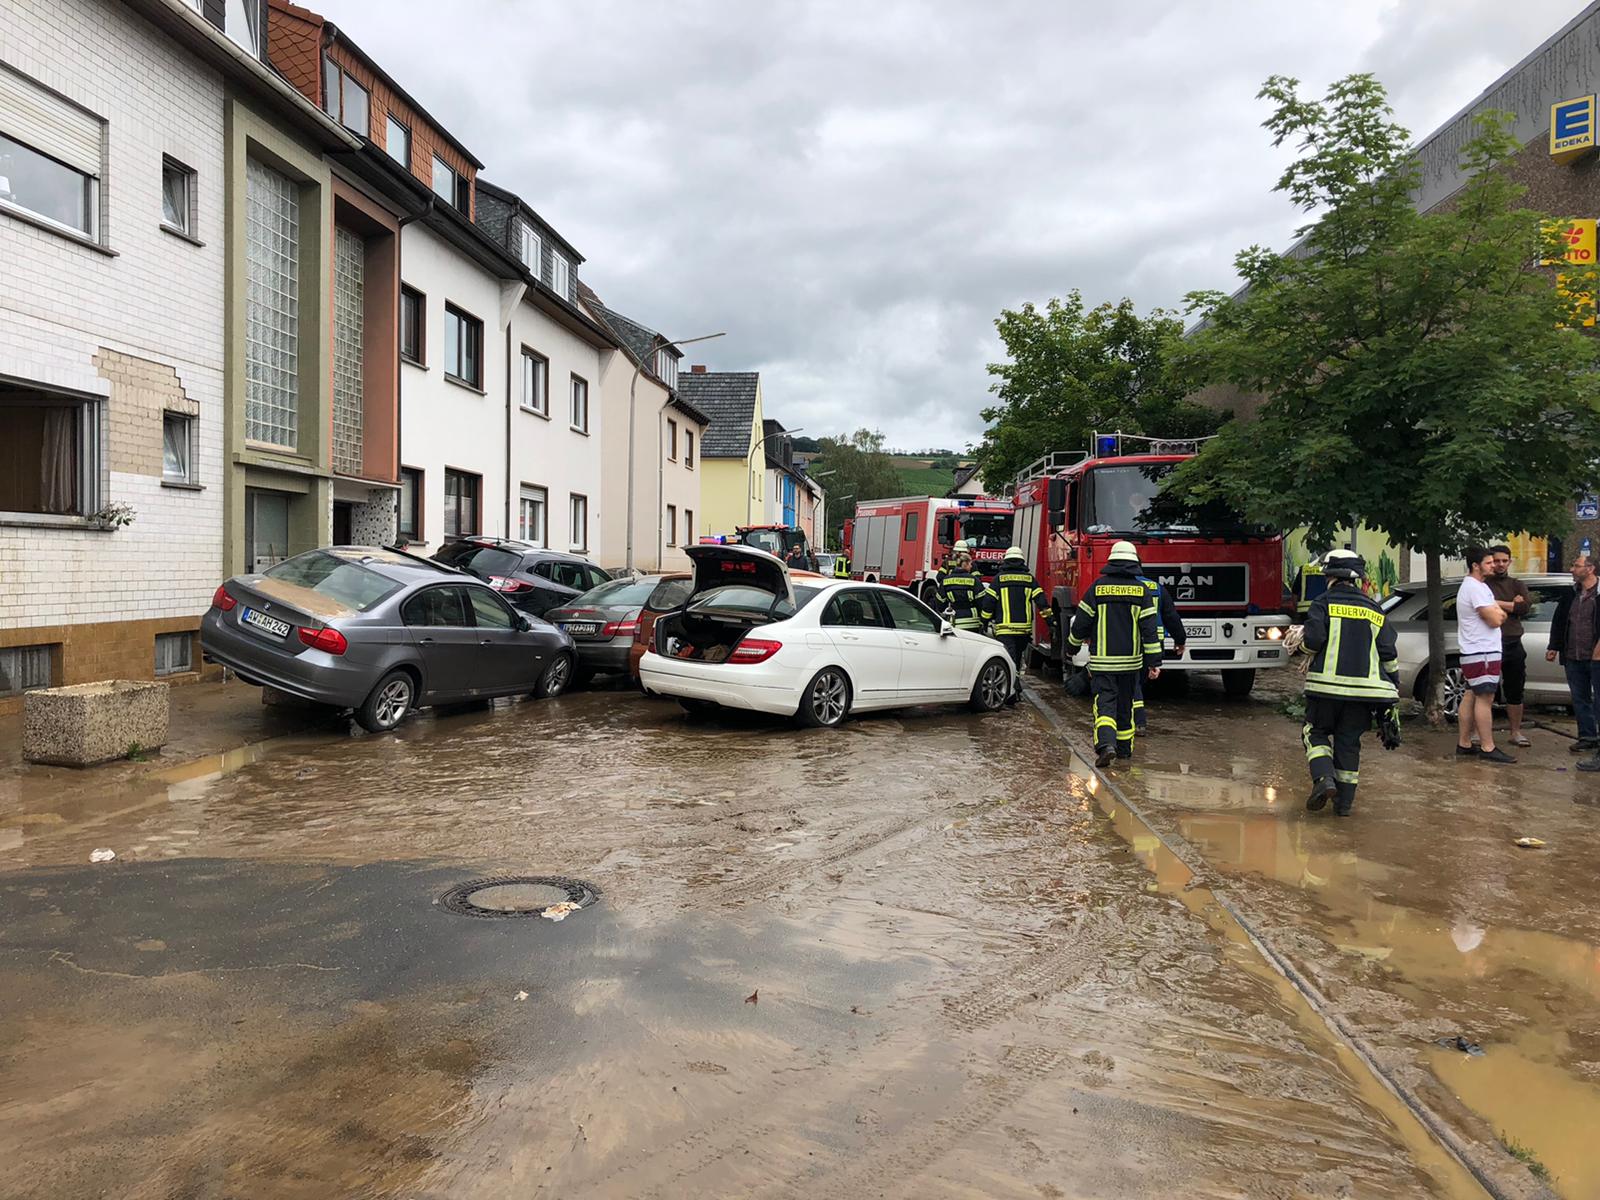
{"points": [[266, 624], [581, 628], [1199, 631]]}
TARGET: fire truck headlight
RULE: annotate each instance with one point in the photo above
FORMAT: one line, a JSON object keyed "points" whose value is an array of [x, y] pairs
{"points": [[1269, 633]]}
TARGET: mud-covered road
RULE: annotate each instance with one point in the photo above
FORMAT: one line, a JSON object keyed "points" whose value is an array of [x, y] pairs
{"points": [[919, 956]]}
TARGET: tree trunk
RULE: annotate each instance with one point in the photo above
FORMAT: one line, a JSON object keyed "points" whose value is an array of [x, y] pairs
{"points": [[1432, 702]]}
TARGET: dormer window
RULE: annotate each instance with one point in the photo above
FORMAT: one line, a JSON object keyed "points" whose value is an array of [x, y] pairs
{"points": [[345, 100], [560, 276], [667, 367], [450, 186], [531, 250]]}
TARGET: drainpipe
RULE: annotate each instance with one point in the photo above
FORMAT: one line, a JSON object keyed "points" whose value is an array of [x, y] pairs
{"points": [[399, 362]]}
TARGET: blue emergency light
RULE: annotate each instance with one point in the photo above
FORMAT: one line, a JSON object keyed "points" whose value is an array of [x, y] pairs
{"points": [[1105, 445]]}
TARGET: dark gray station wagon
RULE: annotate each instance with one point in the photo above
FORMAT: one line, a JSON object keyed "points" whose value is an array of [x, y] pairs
{"points": [[381, 632]]}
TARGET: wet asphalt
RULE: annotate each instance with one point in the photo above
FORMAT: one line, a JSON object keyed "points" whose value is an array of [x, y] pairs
{"points": [[912, 957]]}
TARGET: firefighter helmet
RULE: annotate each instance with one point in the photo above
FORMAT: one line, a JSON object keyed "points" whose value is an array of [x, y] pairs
{"points": [[1124, 552], [1016, 553], [1343, 564]]}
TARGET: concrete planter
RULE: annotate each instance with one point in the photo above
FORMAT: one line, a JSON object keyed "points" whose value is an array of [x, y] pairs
{"points": [[91, 723]]}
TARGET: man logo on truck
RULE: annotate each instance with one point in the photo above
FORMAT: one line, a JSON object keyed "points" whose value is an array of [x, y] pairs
{"points": [[1186, 587]]}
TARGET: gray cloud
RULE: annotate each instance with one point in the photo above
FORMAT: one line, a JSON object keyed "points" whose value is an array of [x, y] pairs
{"points": [[854, 191]]}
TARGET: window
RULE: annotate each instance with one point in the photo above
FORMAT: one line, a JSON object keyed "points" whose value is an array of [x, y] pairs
{"points": [[531, 515], [672, 524], [854, 610], [272, 307], [909, 614], [177, 196], [672, 440], [397, 141], [344, 99], [408, 505], [911, 526], [580, 521], [174, 653], [23, 668], [489, 611], [688, 527], [46, 188], [535, 382], [413, 325], [688, 448], [463, 346], [437, 606], [461, 492], [241, 22], [177, 448], [531, 249], [560, 270], [451, 187], [667, 367], [49, 454], [580, 404]]}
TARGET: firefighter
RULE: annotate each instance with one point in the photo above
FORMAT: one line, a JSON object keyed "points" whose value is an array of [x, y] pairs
{"points": [[1017, 596], [961, 594], [1309, 583], [1352, 681], [1167, 621], [1117, 617], [841, 565]]}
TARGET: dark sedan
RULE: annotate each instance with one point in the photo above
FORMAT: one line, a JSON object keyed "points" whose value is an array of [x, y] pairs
{"points": [[534, 579], [381, 632], [602, 623]]}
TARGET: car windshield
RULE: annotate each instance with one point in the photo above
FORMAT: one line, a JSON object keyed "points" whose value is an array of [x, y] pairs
{"points": [[776, 542], [620, 592], [1128, 499], [987, 531], [482, 561], [350, 583]]}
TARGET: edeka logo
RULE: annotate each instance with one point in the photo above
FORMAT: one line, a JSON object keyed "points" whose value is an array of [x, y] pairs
{"points": [[1572, 128]]}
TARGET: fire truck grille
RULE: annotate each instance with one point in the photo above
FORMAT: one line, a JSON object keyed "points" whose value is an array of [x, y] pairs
{"points": [[1205, 583]]}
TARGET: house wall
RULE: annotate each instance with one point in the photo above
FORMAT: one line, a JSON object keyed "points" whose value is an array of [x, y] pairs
{"points": [[549, 452], [679, 485], [444, 424], [733, 491], [140, 327]]}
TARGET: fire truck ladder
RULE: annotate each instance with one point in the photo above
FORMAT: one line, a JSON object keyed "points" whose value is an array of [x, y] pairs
{"points": [[1109, 445], [1049, 465]]}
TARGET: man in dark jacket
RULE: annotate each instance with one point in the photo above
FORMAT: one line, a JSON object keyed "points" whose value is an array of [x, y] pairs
{"points": [[1016, 596], [1354, 676], [1117, 618], [1574, 633]]}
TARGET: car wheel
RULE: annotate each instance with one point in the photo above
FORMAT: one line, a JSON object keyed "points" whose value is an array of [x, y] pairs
{"points": [[826, 701], [993, 687], [1455, 686], [555, 679], [388, 703], [928, 593]]}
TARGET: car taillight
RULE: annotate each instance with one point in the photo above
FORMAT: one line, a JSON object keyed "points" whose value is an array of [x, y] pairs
{"points": [[221, 599], [330, 640], [620, 629], [501, 583], [754, 650]]}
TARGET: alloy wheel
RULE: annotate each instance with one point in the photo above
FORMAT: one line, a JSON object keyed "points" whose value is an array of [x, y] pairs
{"points": [[393, 702], [1455, 687], [828, 698], [556, 680], [994, 687]]}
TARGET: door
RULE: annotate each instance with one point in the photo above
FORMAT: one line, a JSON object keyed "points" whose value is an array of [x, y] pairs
{"points": [[509, 660], [439, 620], [867, 646], [932, 667], [266, 529], [1547, 681], [343, 522]]}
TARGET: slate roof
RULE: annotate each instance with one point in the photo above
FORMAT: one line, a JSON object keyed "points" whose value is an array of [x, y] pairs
{"points": [[728, 398], [963, 474], [640, 342]]}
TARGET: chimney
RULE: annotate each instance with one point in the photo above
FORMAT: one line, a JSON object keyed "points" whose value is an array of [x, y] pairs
{"points": [[697, 369]]}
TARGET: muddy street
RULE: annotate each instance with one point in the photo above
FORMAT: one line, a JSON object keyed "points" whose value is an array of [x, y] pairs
{"points": [[927, 954]]}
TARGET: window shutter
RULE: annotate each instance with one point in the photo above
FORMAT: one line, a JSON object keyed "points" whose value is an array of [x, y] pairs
{"points": [[49, 124]]}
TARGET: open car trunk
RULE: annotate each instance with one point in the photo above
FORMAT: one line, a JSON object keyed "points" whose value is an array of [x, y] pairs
{"points": [[706, 636], [736, 589]]}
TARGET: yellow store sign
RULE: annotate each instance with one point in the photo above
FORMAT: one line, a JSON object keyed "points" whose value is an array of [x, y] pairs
{"points": [[1572, 128]]}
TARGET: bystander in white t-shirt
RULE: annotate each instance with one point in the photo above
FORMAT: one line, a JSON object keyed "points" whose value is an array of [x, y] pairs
{"points": [[1474, 635]]}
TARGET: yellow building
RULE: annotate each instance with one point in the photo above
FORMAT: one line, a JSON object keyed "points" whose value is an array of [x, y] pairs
{"points": [[733, 472]]}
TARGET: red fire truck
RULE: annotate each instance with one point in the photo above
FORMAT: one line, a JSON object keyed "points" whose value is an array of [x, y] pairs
{"points": [[1225, 576], [907, 540], [787, 542]]}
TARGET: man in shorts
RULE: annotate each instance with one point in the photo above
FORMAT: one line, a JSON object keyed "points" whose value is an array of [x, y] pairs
{"points": [[1478, 621], [1513, 596]]}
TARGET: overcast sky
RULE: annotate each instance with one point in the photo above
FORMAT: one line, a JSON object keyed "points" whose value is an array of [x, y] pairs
{"points": [[853, 191]]}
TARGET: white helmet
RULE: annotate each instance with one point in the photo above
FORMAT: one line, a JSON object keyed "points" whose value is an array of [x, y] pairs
{"points": [[1124, 552], [963, 546], [1016, 552], [1344, 564]]}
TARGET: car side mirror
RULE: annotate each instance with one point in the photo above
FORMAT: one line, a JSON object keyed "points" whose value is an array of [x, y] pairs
{"points": [[1056, 501], [524, 625], [946, 629]]}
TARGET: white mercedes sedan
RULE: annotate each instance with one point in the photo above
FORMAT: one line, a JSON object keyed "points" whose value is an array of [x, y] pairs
{"points": [[752, 636]]}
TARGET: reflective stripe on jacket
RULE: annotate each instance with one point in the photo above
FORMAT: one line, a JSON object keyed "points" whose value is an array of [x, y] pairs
{"points": [[1352, 646], [1117, 617], [1017, 597]]}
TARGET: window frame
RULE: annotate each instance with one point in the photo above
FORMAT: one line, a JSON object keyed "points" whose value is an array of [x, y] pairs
{"points": [[560, 275], [90, 230], [542, 500], [526, 233], [333, 99], [416, 598], [450, 197], [672, 525], [577, 382], [574, 501], [912, 524], [672, 440], [49, 659], [91, 415], [390, 124], [186, 637], [474, 326], [667, 367], [191, 197], [688, 527], [186, 422], [416, 477], [887, 600], [688, 448], [542, 369], [420, 325], [477, 503]]}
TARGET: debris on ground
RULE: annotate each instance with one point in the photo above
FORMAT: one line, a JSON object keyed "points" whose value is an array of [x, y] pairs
{"points": [[102, 855], [754, 997], [558, 912], [521, 996], [1531, 843], [1460, 1042]]}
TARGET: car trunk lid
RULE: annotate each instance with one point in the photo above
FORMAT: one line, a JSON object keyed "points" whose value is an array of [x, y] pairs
{"points": [[722, 566]]}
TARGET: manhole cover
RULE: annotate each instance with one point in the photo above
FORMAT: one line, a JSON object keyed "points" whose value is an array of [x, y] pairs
{"points": [[519, 896]]}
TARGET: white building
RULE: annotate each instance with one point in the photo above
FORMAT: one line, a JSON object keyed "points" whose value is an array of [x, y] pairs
{"points": [[111, 341]]}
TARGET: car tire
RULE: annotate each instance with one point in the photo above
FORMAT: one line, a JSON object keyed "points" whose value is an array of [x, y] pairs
{"points": [[698, 710], [1236, 685], [826, 701], [389, 703], [928, 593], [992, 688], [556, 678]]}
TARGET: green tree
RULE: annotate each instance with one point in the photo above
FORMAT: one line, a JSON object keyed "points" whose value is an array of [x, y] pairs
{"points": [[853, 467], [1417, 374], [1071, 371]]}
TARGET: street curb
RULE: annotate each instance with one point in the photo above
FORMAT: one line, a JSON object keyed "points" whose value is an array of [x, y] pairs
{"points": [[1452, 1143]]}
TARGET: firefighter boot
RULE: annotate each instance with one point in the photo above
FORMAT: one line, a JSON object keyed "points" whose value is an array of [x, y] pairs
{"points": [[1322, 790]]}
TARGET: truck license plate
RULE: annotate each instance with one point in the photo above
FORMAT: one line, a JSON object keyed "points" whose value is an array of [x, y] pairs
{"points": [[1199, 631], [266, 624]]}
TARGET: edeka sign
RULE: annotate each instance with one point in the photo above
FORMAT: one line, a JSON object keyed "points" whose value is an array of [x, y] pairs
{"points": [[1572, 128]]}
